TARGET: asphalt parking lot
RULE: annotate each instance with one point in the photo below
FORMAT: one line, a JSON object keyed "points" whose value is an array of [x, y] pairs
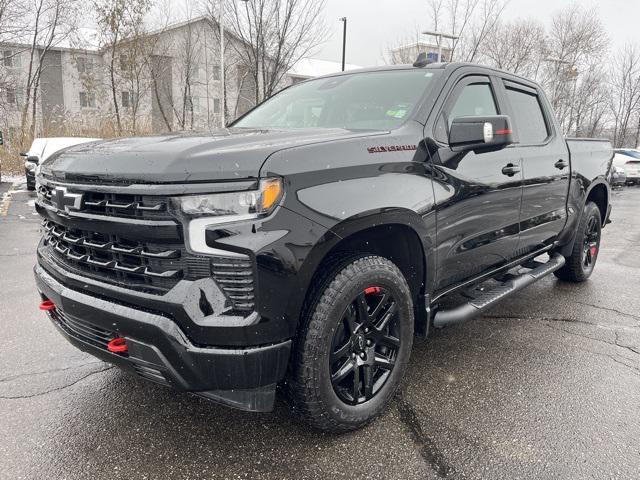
{"points": [[547, 385]]}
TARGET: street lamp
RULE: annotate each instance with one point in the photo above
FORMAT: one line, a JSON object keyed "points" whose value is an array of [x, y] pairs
{"points": [[439, 36], [344, 39]]}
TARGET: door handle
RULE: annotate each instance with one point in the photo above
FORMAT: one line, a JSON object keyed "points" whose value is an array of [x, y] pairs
{"points": [[510, 169], [560, 164]]}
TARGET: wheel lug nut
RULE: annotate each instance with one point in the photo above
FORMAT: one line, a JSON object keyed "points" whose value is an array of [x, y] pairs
{"points": [[363, 356], [369, 343], [353, 355], [366, 330]]}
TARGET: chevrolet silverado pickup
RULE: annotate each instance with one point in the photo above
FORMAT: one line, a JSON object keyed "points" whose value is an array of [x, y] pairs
{"points": [[307, 244]]}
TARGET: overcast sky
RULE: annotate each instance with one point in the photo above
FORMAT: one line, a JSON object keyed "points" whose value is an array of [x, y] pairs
{"points": [[374, 25]]}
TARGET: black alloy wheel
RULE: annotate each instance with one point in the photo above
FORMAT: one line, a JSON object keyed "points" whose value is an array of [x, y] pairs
{"points": [[354, 343], [586, 247], [591, 243], [365, 346]]}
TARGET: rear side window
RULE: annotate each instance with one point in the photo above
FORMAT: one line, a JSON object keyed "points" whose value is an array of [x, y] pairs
{"points": [[530, 124]]}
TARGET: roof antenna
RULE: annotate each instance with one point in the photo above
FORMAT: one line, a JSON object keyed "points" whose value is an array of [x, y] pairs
{"points": [[422, 60]]}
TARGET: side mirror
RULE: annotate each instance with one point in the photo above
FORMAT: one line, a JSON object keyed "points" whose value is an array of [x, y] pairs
{"points": [[480, 134], [33, 159]]}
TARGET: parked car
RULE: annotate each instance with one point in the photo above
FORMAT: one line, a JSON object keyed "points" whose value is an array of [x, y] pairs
{"points": [[43, 148], [618, 176], [629, 160], [312, 240]]}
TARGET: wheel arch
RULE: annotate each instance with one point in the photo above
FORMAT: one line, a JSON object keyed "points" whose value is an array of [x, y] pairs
{"points": [[400, 235], [598, 193]]}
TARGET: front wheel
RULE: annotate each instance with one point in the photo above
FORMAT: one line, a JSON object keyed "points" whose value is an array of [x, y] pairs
{"points": [[581, 262], [354, 345]]}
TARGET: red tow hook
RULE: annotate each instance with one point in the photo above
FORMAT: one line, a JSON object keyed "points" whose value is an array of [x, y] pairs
{"points": [[47, 305], [118, 345]]}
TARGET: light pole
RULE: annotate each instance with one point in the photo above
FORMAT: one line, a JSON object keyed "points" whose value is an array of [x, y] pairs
{"points": [[344, 40], [222, 93], [439, 36]]}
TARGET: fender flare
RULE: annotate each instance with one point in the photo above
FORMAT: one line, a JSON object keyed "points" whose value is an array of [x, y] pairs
{"points": [[567, 248], [348, 227]]}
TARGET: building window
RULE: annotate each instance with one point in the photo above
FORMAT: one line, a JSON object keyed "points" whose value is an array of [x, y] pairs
{"points": [[125, 64], [216, 73], [87, 100], [84, 64], [10, 58], [195, 72], [193, 104], [216, 105], [125, 99], [11, 97]]}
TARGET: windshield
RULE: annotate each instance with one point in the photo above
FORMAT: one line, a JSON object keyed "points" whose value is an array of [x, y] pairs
{"points": [[362, 101], [630, 153]]}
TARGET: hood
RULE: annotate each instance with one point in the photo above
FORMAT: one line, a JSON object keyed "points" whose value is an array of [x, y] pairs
{"points": [[230, 154]]}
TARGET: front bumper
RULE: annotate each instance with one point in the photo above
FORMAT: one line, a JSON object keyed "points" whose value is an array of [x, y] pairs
{"points": [[159, 350], [30, 175]]}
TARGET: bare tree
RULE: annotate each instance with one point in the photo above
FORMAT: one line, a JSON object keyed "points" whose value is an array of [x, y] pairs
{"points": [[120, 24], [472, 21], [47, 23], [516, 47], [274, 35], [574, 38], [10, 11], [625, 89]]}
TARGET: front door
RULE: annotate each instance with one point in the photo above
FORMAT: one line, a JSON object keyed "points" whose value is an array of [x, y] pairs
{"points": [[478, 196]]}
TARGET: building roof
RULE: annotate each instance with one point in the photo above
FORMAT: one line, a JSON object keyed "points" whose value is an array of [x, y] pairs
{"points": [[314, 67], [419, 45]]}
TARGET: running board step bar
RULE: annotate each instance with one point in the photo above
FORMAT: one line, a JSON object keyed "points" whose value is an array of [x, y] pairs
{"points": [[489, 298]]}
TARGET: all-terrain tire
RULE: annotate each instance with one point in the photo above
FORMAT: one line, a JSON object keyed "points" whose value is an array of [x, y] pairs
{"points": [[314, 396], [581, 262]]}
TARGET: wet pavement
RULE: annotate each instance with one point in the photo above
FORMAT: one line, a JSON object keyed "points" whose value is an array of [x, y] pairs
{"points": [[546, 385]]}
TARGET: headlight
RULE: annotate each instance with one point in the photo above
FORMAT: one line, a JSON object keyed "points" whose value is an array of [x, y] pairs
{"points": [[30, 166], [230, 207], [201, 211]]}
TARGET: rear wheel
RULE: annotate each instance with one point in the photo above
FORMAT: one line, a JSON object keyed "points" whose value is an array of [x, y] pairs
{"points": [[354, 346], [582, 261]]}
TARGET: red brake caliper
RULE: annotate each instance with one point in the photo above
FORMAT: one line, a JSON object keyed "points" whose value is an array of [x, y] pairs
{"points": [[372, 290], [593, 251]]}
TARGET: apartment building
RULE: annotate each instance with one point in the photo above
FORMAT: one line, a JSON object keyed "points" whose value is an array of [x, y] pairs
{"points": [[171, 81]]}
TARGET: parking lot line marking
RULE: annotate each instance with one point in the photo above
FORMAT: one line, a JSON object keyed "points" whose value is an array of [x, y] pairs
{"points": [[6, 200]]}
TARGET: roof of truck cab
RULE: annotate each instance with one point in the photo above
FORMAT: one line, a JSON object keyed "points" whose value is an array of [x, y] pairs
{"points": [[451, 66]]}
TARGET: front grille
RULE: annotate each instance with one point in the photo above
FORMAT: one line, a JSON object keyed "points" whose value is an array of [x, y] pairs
{"points": [[115, 204], [134, 264], [134, 242], [88, 333], [235, 277]]}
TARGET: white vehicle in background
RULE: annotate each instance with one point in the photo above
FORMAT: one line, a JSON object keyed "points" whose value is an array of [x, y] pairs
{"points": [[43, 148], [629, 160]]}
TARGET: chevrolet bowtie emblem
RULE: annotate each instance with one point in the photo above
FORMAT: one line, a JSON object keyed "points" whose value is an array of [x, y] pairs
{"points": [[65, 200]]}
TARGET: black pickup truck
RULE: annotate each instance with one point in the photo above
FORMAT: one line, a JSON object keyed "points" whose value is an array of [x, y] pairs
{"points": [[308, 243]]}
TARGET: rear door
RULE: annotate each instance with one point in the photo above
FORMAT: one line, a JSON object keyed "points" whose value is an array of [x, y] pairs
{"points": [[545, 166], [477, 195]]}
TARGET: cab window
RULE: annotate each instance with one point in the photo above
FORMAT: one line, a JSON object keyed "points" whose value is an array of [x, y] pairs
{"points": [[473, 99], [530, 124]]}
